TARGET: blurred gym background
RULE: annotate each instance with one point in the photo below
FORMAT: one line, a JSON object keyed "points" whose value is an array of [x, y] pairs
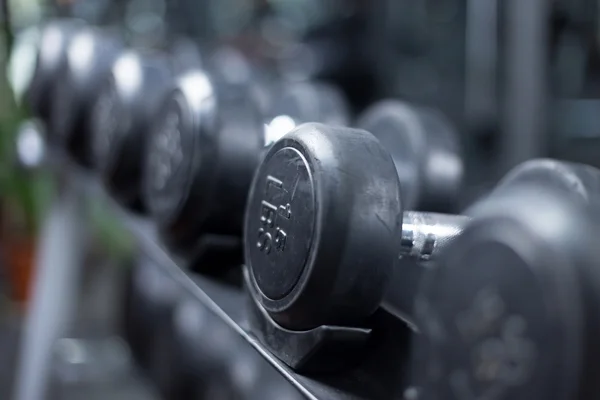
{"points": [[518, 79]]}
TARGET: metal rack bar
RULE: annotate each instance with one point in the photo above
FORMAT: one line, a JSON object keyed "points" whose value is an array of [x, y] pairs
{"points": [[57, 266]]}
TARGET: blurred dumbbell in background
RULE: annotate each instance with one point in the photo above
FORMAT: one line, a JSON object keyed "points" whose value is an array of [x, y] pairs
{"points": [[123, 112], [512, 300], [89, 57], [426, 151], [204, 149]]}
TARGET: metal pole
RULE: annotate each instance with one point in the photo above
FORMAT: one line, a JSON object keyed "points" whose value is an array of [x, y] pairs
{"points": [[52, 305], [527, 32]]}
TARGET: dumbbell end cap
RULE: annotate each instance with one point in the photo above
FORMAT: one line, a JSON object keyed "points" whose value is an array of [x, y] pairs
{"points": [[505, 292], [281, 220], [322, 226]]}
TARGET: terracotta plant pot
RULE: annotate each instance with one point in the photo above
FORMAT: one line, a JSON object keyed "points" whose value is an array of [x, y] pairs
{"points": [[20, 258]]}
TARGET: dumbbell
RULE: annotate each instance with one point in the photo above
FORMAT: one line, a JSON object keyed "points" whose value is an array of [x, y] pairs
{"points": [[204, 150], [510, 310], [425, 149], [325, 226], [122, 115], [50, 59], [90, 55]]}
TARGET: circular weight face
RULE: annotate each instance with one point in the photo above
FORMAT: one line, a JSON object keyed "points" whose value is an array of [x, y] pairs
{"points": [[398, 127], [281, 221], [170, 158], [489, 321], [108, 118], [330, 226]]}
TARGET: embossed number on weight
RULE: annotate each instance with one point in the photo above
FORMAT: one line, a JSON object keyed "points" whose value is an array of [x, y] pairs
{"points": [[269, 214], [280, 237], [264, 241], [273, 182]]}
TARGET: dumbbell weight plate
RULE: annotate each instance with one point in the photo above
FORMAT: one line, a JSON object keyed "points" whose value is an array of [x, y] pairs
{"points": [[129, 98], [90, 55], [201, 158], [295, 219], [502, 315], [288, 188], [425, 150]]}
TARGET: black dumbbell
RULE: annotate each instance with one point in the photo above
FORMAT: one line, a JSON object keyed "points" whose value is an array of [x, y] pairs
{"points": [[510, 310], [325, 226], [203, 153], [50, 59], [90, 55], [123, 112], [425, 149], [121, 117]]}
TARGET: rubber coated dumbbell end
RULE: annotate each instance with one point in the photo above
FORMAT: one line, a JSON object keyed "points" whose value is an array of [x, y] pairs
{"points": [[322, 226], [508, 292], [425, 149], [172, 145]]}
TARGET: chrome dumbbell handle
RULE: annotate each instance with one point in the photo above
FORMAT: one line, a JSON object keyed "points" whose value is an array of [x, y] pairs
{"points": [[424, 233]]}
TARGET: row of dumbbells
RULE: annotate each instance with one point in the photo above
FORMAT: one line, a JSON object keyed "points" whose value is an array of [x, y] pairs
{"points": [[179, 137], [185, 350], [505, 303]]}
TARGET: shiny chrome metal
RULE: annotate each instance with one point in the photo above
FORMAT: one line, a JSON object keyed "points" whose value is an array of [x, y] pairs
{"points": [[424, 233]]}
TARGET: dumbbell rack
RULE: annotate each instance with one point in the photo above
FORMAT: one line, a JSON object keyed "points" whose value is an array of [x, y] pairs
{"points": [[55, 292]]}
